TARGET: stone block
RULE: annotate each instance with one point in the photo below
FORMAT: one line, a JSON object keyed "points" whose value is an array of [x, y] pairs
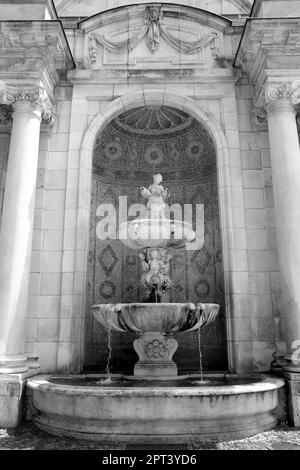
{"points": [[48, 329], [254, 198], [34, 283], [51, 261], [50, 283], [253, 179], [293, 387], [240, 328], [238, 304], [261, 305], [49, 305], [259, 261], [11, 402], [68, 264], [259, 283], [262, 355], [55, 199], [53, 240], [53, 219], [58, 161], [256, 239], [59, 142], [47, 352], [31, 329], [56, 179], [251, 159]]}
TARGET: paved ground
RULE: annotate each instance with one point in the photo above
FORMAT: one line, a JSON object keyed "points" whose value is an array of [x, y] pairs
{"points": [[28, 437]]}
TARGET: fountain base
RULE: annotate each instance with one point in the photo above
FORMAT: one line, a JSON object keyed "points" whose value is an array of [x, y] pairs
{"points": [[179, 410], [155, 351]]}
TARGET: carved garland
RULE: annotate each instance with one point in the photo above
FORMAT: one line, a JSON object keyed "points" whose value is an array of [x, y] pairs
{"points": [[153, 29]]}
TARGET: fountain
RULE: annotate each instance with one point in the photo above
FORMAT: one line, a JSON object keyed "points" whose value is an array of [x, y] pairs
{"points": [[155, 234], [155, 405]]}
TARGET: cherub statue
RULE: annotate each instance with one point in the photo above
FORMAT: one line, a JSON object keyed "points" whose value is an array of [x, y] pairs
{"points": [[155, 267], [156, 195]]}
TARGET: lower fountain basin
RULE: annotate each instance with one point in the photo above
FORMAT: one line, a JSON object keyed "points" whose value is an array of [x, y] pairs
{"points": [[161, 317], [182, 410]]}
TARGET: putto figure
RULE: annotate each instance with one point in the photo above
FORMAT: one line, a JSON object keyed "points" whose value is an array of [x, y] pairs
{"points": [[156, 195]]}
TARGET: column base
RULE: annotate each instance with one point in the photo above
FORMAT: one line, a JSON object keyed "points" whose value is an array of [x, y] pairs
{"points": [[13, 364], [155, 352], [293, 396], [12, 391]]}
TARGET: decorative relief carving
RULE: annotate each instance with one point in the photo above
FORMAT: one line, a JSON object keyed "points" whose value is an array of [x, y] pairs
{"points": [[155, 347], [5, 114], [272, 95], [284, 91], [154, 19], [38, 95], [259, 118], [153, 30]]}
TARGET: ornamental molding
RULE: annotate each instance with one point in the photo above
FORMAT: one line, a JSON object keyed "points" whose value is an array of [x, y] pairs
{"points": [[13, 95], [152, 30], [30, 41], [284, 91], [271, 93]]}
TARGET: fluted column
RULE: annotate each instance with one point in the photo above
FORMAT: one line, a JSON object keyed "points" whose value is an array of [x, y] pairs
{"points": [[29, 106], [285, 162]]}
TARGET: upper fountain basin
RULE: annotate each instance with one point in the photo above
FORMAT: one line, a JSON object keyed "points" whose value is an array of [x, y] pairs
{"points": [[151, 317], [156, 232]]}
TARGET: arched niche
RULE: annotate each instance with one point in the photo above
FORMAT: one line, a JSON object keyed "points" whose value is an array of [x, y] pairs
{"points": [[128, 150]]}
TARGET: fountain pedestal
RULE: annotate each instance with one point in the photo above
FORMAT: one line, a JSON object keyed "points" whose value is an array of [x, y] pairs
{"points": [[155, 351]]}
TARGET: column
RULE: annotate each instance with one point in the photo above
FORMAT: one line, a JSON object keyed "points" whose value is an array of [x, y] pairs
{"points": [[285, 162], [29, 106]]}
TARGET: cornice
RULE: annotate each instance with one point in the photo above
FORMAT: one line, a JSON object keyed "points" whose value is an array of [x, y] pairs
{"points": [[34, 48]]}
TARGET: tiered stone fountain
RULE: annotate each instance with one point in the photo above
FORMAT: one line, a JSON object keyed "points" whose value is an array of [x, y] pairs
{"points": [[165, 407], [155, 234]]}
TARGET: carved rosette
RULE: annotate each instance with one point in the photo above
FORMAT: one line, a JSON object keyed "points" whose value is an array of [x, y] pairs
{"points": [[36, 95], [155, 351]]}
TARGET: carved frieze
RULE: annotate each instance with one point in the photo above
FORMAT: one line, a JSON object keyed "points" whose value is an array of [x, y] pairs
{"points": [[152, 29]]}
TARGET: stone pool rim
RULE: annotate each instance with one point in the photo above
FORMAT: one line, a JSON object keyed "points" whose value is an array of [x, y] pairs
{"points": [[261, 383]]}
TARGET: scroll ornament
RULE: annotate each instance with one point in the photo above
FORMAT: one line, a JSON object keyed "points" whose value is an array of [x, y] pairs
{"points": [[153, 29], [36, 94], [282, 92]]}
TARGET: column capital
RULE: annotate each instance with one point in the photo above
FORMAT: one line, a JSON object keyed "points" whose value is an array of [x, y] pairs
{"points": [[276, 97], [282, 93], [15, 95]]}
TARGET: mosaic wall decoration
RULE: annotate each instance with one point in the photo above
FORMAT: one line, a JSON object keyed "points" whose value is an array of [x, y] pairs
{"points": [[127, 153]]}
